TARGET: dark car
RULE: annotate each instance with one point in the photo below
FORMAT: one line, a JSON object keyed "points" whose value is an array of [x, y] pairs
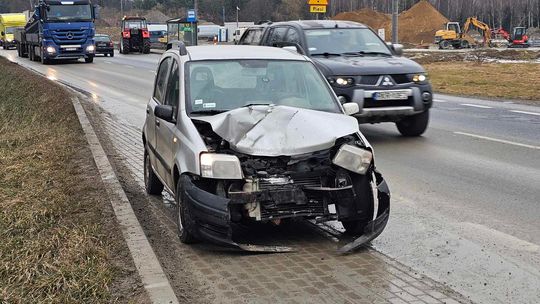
{"points": [[104, 45], [361, 68]]}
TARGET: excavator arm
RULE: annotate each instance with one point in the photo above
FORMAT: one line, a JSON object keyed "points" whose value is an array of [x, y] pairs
{"points": [[481, 26]]}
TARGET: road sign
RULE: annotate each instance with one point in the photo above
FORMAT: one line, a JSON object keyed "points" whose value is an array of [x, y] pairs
{"points": [[318, 9], [191, 16], [318, 2]]}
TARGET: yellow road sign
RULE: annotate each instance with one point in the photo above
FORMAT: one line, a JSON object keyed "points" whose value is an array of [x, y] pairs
{"points": [[319, 9], [318, 2]]}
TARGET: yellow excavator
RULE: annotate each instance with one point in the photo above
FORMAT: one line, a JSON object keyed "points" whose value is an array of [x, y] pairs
{"points": [[454, 37]]}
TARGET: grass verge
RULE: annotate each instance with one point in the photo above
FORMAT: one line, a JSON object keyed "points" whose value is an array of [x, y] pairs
{"points": [[59, 240], [494, 80]]}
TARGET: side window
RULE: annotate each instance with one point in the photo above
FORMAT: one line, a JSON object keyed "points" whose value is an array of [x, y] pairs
{"points": [[161, 80], [293, 36], [277, 34], [173, 87], [248, 37]]}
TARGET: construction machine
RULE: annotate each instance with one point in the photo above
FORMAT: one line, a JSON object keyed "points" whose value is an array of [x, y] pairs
{"points": [[519, 38], [454, 36]]}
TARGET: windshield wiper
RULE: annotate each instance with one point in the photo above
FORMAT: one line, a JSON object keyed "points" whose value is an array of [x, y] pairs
{"points": [[208, 112], [256, 104], [362, 53], [326, 54]]}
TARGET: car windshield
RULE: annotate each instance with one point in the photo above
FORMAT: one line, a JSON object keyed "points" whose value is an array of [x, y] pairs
{"points": [[10, 30], [220, 86], [102, 38], [69, 12], [360, 41]]}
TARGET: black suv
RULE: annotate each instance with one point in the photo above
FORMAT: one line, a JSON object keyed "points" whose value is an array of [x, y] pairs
{"points": [[361, 68]]}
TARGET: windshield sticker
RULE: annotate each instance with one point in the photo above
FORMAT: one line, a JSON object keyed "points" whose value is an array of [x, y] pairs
{"points": [[199, 102], [209, 105]]}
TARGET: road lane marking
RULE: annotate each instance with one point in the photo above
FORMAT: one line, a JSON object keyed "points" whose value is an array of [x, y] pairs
{"points": [[502, 141], [476, 106], [438, 100], [525, 112]]}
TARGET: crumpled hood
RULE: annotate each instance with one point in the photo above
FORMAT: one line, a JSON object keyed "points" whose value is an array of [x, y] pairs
{"points": [[280, 130], [369, 65]]}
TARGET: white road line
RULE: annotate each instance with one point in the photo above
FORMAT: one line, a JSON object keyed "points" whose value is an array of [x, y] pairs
{"points": [[525, 112], [476, 106], [438, 100], [502, 141]]}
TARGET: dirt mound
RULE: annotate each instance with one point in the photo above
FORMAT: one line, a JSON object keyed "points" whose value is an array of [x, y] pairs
{"points": [[367, 16], [419, 24]]}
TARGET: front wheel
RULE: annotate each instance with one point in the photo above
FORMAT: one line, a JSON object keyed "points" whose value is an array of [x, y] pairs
{"points": [[89, 59], [444, 45], [111, 54], [362, 210], [152, 183], [184, 220], [415, 125]]}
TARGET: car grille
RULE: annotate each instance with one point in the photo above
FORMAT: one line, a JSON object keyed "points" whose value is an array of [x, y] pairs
{"points": [[69, 36], [373, 80]]}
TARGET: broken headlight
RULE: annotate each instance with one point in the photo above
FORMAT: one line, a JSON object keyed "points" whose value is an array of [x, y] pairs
{"points": [[353, 158], [220, 166]]}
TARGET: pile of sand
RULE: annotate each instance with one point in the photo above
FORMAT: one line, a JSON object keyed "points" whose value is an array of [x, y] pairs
{"points": [[416, 25], [367, 16]]}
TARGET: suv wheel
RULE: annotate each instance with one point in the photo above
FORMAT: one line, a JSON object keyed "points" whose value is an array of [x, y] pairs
{"points": [[184, 221], [89, 59], [415, 125], [152, 184]]}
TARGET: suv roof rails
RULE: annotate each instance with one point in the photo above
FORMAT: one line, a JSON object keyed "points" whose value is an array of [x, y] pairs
{"points": [[178, 45]]}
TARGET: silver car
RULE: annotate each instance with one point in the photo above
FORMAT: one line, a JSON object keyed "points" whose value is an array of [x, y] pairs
{"points": [[244, 134]]}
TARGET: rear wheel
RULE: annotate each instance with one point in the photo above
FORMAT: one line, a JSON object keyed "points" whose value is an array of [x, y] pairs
{"points": [[146, 47], [124, 47], [152, 183], [444, 45], [415, 125], [184, 220], [464, 44]]}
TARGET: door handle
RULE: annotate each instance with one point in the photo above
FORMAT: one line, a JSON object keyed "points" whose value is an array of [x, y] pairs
{"points": [[158, 123]]}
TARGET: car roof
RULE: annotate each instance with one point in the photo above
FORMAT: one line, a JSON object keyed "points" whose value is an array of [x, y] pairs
{"points": [[322, 24], [221, 52]]}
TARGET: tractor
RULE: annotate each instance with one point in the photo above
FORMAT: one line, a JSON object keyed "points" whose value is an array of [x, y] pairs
{"points": [[135, 36]]}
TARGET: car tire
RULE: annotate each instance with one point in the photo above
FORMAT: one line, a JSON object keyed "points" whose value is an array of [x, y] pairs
{"points": [[146, 47], [152, 184], [124, 47], [184, 220], [44, 60], [111, 54], [89, 59], [364, 205], [464, 44], [444, 45], [413, 126]]}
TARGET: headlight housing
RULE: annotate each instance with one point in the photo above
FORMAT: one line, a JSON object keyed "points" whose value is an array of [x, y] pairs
{"points": [[51, 50], [353, 158], [91, 48], [419, 78], [342, 81], [220, 166]]}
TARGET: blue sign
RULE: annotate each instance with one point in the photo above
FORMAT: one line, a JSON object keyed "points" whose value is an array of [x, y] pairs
{"points": [[191, 16]]}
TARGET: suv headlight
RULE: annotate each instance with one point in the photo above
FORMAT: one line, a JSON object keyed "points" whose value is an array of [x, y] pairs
{"points": [[220, 166], [353, 158], [341, 81], [419, 78]]}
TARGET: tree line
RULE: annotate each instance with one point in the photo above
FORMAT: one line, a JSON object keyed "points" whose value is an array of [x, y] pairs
{"points": [[497, 13]]}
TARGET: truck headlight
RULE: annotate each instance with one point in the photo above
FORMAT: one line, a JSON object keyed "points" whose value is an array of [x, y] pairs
{"points": [[353, 158], [51, 50], [220, 166], [418, 78], [90, 48], [9, 39], [341, 81]]}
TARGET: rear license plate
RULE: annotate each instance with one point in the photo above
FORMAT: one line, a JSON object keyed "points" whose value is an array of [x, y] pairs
{"points": [[391, 95]]}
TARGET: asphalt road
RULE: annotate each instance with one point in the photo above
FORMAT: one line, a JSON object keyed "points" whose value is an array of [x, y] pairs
{"points": [[466, 196]]}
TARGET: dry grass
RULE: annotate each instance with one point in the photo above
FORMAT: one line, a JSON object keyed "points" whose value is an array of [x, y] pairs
{"points": [[55, 245], [495, 80]]}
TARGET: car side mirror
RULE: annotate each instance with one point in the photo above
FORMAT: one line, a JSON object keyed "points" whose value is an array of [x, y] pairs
{"points": [[398, 49], [165, 112], [351, 108], [96, 12], [2, 33]]}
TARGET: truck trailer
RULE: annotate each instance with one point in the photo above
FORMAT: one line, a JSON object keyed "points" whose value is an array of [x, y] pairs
{"points": [[59, 30], [8, 24]]}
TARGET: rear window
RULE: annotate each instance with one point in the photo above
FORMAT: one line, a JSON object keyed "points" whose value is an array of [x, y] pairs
{"points": [[252, 36], [102, 38]]}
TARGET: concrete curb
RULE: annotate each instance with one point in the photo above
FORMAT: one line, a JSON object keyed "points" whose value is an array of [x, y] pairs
{"points": [[154, 279]]}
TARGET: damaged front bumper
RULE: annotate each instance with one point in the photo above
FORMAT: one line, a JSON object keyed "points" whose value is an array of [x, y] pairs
{"points": [[215, 216]]}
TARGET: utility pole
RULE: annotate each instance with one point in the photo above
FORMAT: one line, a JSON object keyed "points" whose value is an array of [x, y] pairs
{"points": [[196, 8], [395, 13]]}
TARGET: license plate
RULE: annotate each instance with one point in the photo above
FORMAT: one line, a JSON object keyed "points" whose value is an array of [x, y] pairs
{"points": [[391, 95], [70, 49]]}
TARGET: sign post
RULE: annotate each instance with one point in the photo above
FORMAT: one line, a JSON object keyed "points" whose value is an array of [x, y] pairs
{"points": [[317, 6], [191, 18]]}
